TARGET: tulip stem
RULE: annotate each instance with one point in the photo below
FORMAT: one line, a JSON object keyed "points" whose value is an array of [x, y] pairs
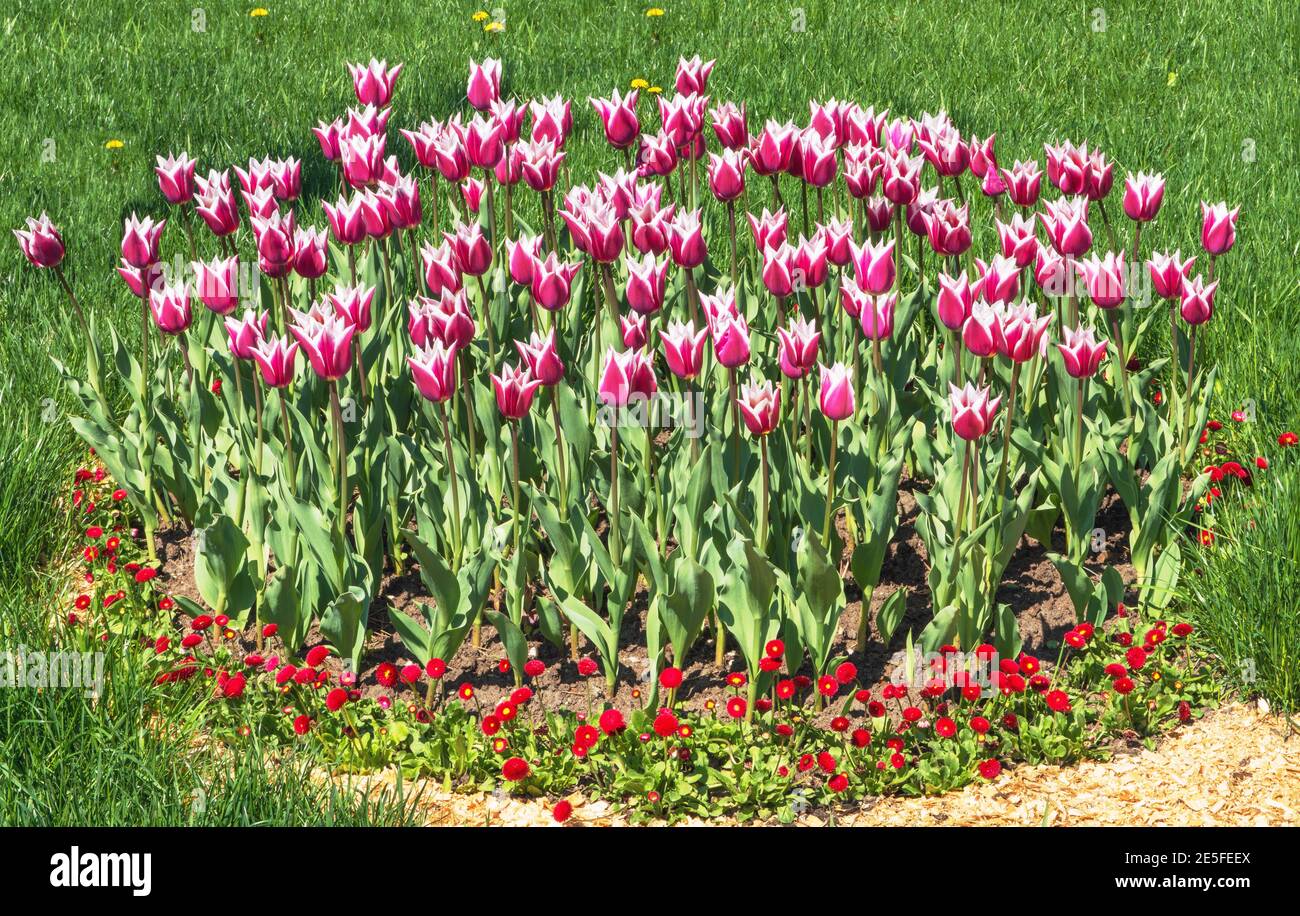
{"points": [[559, 448], [1078, 432], [692, 294], [92, 353], [257, 406], [731, 228], [1006, 434], [455, 487], [1187, 396], [1123, 365], [611, 301], [830, 483], [340, 467], [735, 423], [469, 404], [762, 506], [288, 442], [615, 545], [514, 493], [487, 318]]}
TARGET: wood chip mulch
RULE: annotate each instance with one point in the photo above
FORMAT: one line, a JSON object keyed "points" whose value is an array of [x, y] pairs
{"points": [[1234, 767]]}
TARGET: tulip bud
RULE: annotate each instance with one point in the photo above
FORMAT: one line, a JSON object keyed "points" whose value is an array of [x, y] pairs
{"points": [[836, 395], [41, 242], [760, 407], [972, 411]]}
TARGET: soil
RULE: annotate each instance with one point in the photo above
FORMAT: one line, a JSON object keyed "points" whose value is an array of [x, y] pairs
{"points": [[1031, 586]]}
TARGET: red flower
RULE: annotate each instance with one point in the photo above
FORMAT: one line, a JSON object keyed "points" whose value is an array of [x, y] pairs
{"points": [[670, 678], [119, 494], [436, 668], [270, 630], [504, 666], [1262, 463], [839, 724], [897, 761], [145, 574], [534, 667], [302, 724], [736, 679], [979, 725], [612, 722], [562, 811], [846, 673], [335, 699], [826, 760], [1287, 439], [775, 648], [736, 708], [490, 725], [1184, 711], [806, 763], [317, 655], [586, 736], [785, 731], [1136, 657], [94, 532], [466, 691], [1123, 685], [506, 711], [838, 783], [410, 673], [876, 709], [515, 769], [990, 768], [912, 714], [521, 696], [665, 724], [861, 737], [201, 622], [785, 689], [1058, 701], [1182, 629], [945, 727], [586, 667], [386, 674], [233, 687], [827, 686]]}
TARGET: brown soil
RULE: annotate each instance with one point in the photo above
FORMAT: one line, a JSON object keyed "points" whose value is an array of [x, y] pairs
{"points": [[1031, 586]]}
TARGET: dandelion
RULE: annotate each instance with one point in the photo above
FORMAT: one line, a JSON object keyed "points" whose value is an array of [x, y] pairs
{"points": [[639, 83], [495, 26], [259, 12], [655, 90], [480, 16], [114, 144], [654, 12]]}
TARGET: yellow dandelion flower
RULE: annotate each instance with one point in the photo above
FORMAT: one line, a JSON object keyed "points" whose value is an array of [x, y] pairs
{"points": [[259, 12], [495, 27], [480, 16], [654, 12], [639, 83], [1173, 78], [655, 90], [114, 144]]}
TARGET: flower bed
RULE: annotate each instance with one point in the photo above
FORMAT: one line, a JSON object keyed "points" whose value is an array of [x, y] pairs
{"points": [[638, 492]]}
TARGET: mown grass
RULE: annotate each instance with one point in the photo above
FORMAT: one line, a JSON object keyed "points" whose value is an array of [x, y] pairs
{"points": [[1204, 92]]}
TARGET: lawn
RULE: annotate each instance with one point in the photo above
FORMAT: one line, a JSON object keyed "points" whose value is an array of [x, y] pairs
{"points": [[1205, 92]]}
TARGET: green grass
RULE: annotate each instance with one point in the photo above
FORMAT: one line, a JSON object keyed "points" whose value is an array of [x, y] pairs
{"points": [[1205, 92]]}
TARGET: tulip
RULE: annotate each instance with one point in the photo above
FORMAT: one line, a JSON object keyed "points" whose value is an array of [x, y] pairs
{"points": [[329, 136], [140, 280], [657, 155], [852, 297], [353, 303], [1067, 167], [993, 185], [257, 177], [433, 368], [634, 330], [374, 82], [514, 391], [972, 411], [552, 120], [1050, 272], [176, 178], [818, 161], [650, 228], [346, 222], [140, 241], [920, 210], [873, 266], [401, 200], [837, 403], [484, 86], [1218, 228], [471, 191], [693, 75], [261, 202], [1018, 240], [521, 257], [1197, 300], [219, 210], [483, 144], [552, 282], [982, 160], [948, 229], [1168, 272], [618, 117], [880, 213], [441, 268], [246, 333], [685, 240], [778, 271], [979, 331], [449, 156], [768, 230], [727, 175], [1142, 196], [902, 177], [310, 256], [729, 126], [646, 284], [511, 118], [946, 152], [275, 357], [811, 265], [363, 160], [327, 341], [772, 149], [41, 242], [1066, 222], [275, 248], [837, 235], [798, 351], [472, 251], [876, 316], [1082, 352], [731, 341], [1019, 332], [1099, 177], [862, 170], [955, 300], [1023, 182], [217, 283], [1104, 278], [684, 349], [286, 178], [540, 163], [170, 307], [542, 357]]}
